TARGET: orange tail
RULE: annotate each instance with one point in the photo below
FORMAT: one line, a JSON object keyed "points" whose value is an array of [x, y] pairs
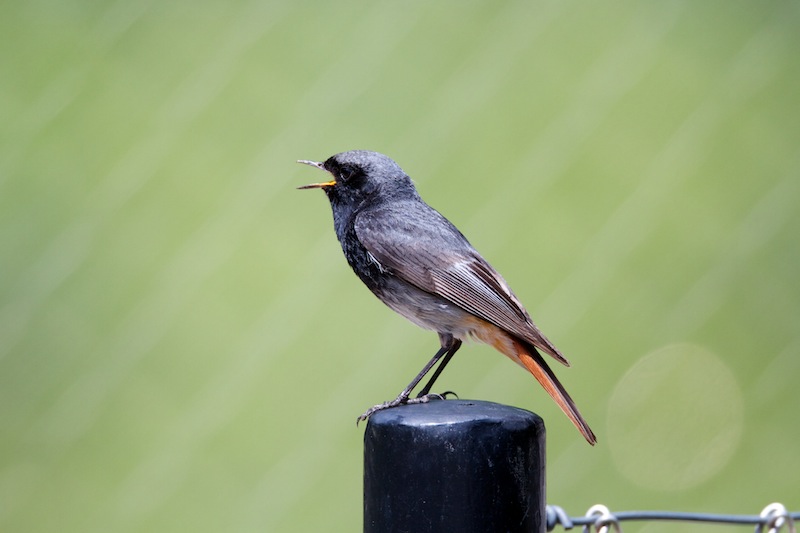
{"points": [[526, 355], [530, 358]]}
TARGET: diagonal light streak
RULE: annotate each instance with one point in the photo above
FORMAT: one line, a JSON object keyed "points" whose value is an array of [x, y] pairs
{"points": [[70, 248], [707, 295], [607, 81], [636, 217], [68, 85], [481, 75]]}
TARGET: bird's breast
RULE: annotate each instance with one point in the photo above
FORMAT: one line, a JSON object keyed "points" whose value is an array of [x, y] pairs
{"points": [[363, 263]]}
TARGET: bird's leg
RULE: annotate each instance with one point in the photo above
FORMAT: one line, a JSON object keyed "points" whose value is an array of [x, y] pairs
{"points": [[447, 347], [455, 344]]}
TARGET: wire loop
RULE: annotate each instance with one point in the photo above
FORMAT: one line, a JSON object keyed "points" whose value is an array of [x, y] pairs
{"points": [[604, 520], [775, 517], [557, 516]]}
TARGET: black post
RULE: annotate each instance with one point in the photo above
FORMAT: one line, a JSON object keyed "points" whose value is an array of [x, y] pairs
{"points": [[454, 465]]}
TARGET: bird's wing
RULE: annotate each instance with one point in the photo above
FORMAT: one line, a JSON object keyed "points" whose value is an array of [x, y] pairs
{"points": [[420, 246]]}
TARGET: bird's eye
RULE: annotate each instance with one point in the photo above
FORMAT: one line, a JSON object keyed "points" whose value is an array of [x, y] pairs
{"points": [[347, 172]]}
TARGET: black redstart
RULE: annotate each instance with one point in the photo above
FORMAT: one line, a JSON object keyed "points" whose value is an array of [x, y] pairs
{"points": [[421, 266]]}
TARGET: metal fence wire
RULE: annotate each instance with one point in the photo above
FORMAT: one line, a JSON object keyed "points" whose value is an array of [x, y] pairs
{"points": [[774, 518]]}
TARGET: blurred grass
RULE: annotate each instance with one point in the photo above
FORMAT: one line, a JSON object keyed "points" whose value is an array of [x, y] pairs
{"points": [[182, 345]]}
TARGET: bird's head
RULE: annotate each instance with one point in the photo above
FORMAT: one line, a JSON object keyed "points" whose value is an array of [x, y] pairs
{"points": [[359, 175]]}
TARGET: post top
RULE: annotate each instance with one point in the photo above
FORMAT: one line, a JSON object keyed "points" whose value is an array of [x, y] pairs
{"points": [[449, 412]]}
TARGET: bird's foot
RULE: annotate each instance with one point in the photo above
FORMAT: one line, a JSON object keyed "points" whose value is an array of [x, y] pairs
{"points": [[403, 400], [400, 400]]}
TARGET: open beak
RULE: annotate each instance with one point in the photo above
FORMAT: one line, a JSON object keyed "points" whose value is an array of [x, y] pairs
{"points": [[316, 185]]}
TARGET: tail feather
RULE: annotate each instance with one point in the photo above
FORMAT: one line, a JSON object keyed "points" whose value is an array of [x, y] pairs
{"points": [[526, 355], [530, 358]]}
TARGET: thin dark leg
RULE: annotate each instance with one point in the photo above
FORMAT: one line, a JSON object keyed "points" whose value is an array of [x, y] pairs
{"points": [[447, 346], [456, 344]]}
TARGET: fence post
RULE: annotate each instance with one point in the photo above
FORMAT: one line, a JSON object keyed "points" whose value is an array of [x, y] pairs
{"points": [[454, 466]]}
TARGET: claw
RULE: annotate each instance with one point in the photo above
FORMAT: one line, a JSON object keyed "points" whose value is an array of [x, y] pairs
{"points": [[435, 396], [426, 398]]}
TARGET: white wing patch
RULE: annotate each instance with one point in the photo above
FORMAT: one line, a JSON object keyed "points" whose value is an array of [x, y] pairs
{"points": [[377, 263]]}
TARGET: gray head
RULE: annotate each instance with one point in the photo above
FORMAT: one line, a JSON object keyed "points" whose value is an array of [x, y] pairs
{"points": [[361, 174]]}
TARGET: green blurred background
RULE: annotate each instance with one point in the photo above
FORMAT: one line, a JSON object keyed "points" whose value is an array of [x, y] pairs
{"points": [[184, 348]]}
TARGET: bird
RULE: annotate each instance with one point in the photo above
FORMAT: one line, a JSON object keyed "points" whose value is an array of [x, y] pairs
{"points": [[421, 266]]}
